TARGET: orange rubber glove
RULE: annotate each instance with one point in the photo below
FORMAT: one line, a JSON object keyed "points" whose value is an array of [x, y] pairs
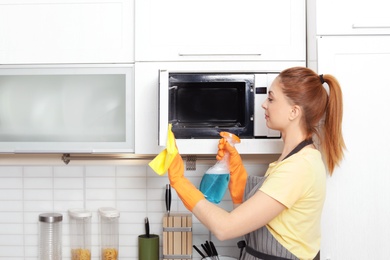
{"points": [[187, 192], [238, 174]]}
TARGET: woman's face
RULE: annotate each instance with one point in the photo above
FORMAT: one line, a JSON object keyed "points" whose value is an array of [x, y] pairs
{"points": [[277, 107]]}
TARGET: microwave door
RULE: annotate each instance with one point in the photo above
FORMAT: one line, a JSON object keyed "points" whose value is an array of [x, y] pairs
{"points": [[163, 107]]}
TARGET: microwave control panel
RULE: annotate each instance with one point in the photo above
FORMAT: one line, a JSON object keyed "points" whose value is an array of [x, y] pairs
{"points": [[262, 84]]}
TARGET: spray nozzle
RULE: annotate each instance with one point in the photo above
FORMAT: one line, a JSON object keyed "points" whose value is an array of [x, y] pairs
{"points": [[231, 138]]}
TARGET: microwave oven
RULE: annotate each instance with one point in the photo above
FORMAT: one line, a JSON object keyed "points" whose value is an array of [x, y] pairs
{"points": [[200, 105]]}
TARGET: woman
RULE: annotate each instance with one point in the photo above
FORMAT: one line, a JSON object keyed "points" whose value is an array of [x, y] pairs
{"points": [[280, 213]]}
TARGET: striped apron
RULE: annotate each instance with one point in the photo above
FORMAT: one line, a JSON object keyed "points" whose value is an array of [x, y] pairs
{"points": [[261, 244]]}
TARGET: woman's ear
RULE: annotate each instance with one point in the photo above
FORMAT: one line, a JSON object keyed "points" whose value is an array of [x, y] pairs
{"points": [[295, 112]]}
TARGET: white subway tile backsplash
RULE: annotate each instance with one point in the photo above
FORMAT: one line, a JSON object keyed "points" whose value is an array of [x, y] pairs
{"points": [[132, 206], [62, 206], [131, 183], [69, 195], [96, 204], [11, 194], [39, 206], [37, 194], [12, 229], [69, 171], [133, 217], [11, 206], [135, 190], [11, 217], [11, 183], [38, 171], [100, 171], [31, 229], [11, 240], [8, 252], [131, 171], [131, 194], [156, 206], [38, 183], [11, 171], [31, 252], [68, 183], [100, 194], [103, 182]]}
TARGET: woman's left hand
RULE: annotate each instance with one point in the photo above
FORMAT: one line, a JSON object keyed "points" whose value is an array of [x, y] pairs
{"points": [[187, 192]]}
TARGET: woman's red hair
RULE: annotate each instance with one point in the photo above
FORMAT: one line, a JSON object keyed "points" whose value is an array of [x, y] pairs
{"points": [[305, 88]]}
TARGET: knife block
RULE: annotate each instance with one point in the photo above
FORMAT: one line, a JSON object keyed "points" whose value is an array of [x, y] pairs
{"points": [[177, 236]]}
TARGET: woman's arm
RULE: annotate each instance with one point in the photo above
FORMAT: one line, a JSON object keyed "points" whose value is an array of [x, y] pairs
{"points": [[249, 216]]}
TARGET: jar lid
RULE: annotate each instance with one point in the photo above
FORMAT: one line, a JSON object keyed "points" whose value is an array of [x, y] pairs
{"points": [[50, 217], [79, 213], [109, 212]]}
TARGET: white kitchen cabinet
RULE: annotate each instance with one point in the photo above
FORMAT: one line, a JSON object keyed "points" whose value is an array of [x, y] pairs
{"points": [[356, 213], [176, 30], [67, 109], [60, 31], [353, 17], [147, 106]]}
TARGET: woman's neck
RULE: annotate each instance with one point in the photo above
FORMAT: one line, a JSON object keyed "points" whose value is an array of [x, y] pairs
{"points": [[290, 142]]}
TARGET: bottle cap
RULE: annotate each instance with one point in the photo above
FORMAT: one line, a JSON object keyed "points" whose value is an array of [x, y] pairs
{"points": [[108, 212], [79, 213], [50, 217]]}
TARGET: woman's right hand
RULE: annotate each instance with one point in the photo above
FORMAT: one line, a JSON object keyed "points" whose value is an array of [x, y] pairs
{"points": [[238, 174]]}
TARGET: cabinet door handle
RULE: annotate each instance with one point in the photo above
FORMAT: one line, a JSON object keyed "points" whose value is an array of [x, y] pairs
{"points": [[219, 54], [370, 26]]}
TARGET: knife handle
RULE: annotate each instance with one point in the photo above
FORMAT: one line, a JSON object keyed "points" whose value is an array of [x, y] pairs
{"points": [[213, 249], [168, 197], [147, 228]]}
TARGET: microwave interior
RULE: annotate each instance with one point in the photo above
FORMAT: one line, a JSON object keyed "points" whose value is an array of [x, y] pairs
{"points": [[202, 105]]}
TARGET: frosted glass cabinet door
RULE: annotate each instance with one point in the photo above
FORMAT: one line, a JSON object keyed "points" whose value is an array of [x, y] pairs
{"points": [[177, 30], [66, 110], [61, 31]]}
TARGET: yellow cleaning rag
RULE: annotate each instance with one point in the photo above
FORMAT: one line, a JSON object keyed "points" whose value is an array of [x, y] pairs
{"points": [[163, 160]]}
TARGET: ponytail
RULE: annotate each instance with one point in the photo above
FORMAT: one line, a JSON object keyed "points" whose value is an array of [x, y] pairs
{"points": [[332, 140], [305, 88]]}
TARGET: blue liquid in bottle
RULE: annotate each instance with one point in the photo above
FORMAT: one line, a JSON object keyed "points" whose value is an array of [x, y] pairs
{"points": [[213, 186], [215, 181]]}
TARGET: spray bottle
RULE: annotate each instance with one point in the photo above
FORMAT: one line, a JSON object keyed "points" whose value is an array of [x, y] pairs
{"points": [[215, 181]]}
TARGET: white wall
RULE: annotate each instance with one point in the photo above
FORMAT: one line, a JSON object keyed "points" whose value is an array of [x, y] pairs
{"points": [[33, 186]]}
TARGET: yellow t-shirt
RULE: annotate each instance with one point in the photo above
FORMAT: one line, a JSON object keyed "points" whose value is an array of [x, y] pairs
{"points": [[299, 183]]}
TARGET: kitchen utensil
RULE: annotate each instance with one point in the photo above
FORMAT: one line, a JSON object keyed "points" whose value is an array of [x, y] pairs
{"points": [[168, 198], [177, 236], [214, 250], [148, 244], [147, 229], [206, 249], [148, 247], [199, 252]]}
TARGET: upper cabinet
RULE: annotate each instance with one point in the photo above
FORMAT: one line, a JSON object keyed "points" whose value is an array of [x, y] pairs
{"points": [[350, 17], [61, 31], [177, 30], [67, 109]]}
